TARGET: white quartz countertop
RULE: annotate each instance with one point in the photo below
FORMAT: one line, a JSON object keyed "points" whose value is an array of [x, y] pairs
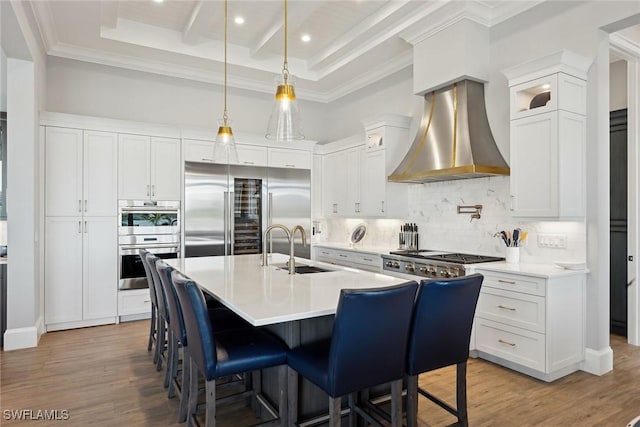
{"points": [[546, 271], [375, 250], [268, 295]]}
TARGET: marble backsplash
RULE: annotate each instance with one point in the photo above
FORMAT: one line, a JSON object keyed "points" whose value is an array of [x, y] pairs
{"points": [[433, 207]]}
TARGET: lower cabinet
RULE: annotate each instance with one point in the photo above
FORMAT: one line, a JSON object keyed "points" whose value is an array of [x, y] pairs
{"points": [[134, 302], [355, 259], [534, 325], [81, 277]]}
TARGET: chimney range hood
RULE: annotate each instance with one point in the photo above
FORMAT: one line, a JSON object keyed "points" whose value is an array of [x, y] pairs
{"points": [[454, 140]]}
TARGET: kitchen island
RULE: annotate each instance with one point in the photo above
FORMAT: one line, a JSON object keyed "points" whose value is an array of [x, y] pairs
{"points": [[298, 308]]}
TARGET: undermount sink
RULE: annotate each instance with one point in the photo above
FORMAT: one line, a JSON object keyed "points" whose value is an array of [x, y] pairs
{"points": [[305, 269]]}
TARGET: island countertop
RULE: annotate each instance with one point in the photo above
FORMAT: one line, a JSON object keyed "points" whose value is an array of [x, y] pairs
{"points": [[270, 295]]}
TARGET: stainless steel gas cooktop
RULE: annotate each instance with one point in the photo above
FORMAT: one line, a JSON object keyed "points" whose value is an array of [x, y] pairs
{"points": [[431, 264]]}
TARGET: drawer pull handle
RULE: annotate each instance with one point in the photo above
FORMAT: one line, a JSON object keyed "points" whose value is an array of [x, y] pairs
{"points": [[147, 300], [343, 256], [504, 307], [367, 259], [507, 342], [506, 281]]}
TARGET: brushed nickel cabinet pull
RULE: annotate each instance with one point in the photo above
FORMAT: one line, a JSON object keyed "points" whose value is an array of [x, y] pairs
{"points": [[504, 307], [367, 259], [153, 190], [79, 205], [382, 206], [79, 227], [343, 256], [507, 343], [507, 281], [147, 300], [290, 166], [148, 190], [85, 205], [249, 163], [85, 226]]}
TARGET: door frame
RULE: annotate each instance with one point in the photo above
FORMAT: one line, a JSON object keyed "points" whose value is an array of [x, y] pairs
{"points": [[631, 53]]}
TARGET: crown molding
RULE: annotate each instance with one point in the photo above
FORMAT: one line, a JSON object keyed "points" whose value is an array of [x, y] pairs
{"points": [[44, 21], [625, 45]]}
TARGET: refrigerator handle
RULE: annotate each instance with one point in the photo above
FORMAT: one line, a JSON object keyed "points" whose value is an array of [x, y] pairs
{"points": [[270, 219], [232, 223], [226, 222]]}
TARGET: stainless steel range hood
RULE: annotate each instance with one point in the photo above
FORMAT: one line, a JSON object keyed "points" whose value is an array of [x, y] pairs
{"points": [[454, 140]]}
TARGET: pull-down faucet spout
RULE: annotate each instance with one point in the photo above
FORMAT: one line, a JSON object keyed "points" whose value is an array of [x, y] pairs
{"points": [[265, 260], [303, 234]]}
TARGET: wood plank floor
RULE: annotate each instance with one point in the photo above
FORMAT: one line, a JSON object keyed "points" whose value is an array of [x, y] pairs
{"points": [[104, 376]]}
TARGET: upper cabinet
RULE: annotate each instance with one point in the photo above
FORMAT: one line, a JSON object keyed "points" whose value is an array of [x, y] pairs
{"points": [[355, 172], [149, 168], [286, 158], [548, 137], [80, 172]]}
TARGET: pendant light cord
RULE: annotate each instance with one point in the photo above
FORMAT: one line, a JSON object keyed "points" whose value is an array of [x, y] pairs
{"points": [[285, 69], [225, 116]]}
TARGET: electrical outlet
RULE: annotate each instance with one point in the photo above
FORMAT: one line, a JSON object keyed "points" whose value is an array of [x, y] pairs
{"points": [[556, 241]]}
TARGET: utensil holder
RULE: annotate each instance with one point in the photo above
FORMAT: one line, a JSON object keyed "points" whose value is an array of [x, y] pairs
{"points": [[513, 255]]}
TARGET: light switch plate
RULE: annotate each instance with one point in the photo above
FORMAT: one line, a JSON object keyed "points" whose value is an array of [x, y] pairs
{"points": [[556, 241]]}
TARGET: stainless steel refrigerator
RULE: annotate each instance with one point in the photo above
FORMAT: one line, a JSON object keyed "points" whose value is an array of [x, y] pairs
{"points": [[228, 207]]}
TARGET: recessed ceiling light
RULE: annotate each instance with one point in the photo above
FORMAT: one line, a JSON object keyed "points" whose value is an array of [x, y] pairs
{"points": [[306, 38], [546, 86], [158, 1], [239, 20]]}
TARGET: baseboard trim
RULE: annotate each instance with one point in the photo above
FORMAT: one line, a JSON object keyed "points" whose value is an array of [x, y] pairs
{"points": [[598, 362], [17, 338]]}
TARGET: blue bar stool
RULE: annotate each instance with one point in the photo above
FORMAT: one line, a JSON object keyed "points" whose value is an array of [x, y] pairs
{"points": [[225, 353], [440, 334], [367, 348], [222, 319], [163, 315], [153, 327]]}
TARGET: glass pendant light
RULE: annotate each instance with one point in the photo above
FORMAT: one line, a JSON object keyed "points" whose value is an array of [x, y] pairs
{"points": [[225, 149], [284, 123]]}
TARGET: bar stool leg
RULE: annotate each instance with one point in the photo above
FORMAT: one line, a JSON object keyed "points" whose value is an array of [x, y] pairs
{"points": [[461, 394], [292, 392], [396, 403], [283, 410], [157, 349], [152, 328], [353, 416], [185, 391], [193, 390], [175, 349], [335, 405], [160, 343], [170, 351], [412, 401], [210, 414]]}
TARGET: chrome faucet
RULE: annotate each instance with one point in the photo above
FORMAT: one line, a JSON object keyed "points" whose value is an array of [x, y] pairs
{"points": [[265, 261], [303, 234]]}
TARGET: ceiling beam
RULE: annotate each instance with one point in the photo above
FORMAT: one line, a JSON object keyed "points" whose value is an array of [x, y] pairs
{"points": [[299, 12], [197, 25]]}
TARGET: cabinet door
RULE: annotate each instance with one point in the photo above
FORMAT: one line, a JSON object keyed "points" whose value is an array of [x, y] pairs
{"points": [[165, 169], [63, 269], [284, 158], [374, 184], [251, 155], [335, 178], [198, 151], [100, 166], [63, 171], [316, 187], [534, 166], [134, 167], [100, 267], [353, 202]]}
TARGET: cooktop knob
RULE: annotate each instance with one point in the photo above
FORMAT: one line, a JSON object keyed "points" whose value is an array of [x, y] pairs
{"points": [[410, 268]]}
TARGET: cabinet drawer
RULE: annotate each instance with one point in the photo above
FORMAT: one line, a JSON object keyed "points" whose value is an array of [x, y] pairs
{"points": [[251, 155], [134, 302], [513, 282], [512, 308], [295, 159], [512, 344]]}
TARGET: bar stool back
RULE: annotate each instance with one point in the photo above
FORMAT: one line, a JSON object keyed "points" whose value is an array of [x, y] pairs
{"points": [[367, 348], [440, 334], [163, 314], [153, 327]]}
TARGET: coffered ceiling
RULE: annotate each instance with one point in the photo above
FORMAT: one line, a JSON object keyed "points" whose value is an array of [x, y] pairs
{"points": [[352, 42]]}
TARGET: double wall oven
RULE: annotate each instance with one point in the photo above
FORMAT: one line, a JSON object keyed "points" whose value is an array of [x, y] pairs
{"points": [[150, 225]]}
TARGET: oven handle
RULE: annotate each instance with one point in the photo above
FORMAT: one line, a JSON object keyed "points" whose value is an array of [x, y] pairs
{"points": [[149, 209], [135, 249]]}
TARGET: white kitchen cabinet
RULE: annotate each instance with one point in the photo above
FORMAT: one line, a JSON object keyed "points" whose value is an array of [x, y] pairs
{"points": [[353, 185], [356, 259], [548, 139], [80, 172], [148, 168], [316, 186], [532, 324], [134, 302], [334, 195], [202, 151], [81, 277], [286, 158], [374, 184]]}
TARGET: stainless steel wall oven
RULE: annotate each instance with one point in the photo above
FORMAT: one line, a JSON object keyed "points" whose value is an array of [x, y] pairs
{"points": [[150, 225]]}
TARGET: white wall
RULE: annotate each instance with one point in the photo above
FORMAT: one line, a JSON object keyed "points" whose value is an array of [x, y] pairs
{"points": [[618, 85], [83, 88], [3, 81]]}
